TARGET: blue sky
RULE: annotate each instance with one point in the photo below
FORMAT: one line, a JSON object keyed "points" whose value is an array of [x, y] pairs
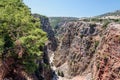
{"points": [[72, 8]]}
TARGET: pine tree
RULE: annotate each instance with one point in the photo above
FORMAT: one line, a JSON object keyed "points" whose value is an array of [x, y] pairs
{"points": [[20, 33]]}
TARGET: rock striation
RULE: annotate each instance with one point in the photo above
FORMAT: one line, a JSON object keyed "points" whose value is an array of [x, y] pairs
{"points": [[107, 58], [77, 44], [87, 49]]}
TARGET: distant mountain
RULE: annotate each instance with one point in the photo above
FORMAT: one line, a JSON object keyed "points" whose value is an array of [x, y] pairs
{"points": [[55, 21], [115, 13]]}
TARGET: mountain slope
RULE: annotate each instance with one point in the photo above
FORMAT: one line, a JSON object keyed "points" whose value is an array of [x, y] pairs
{"points": [[84, 47], [115, 13], [56, 21]]}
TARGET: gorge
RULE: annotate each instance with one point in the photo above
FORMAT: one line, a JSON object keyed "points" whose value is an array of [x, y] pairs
{"points": [[37, 47], [80, 50]]}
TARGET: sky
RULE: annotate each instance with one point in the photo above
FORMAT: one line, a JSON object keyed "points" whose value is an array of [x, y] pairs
{"points": [[72, 8]]}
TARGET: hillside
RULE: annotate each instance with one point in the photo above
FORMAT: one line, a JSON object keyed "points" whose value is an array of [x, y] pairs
{"points": [[56, 21], [85, 49], [37, 47], [115, 14]]}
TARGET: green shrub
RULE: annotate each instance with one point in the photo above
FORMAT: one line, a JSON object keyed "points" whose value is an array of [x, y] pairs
{"points": [[105, 24], [96, 44], [60, 73], [18, 25], [81, 36]]}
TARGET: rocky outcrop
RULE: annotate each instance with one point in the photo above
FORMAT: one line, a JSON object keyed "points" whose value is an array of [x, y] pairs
{"points": [[81, 51], [45, 68], [45, 25], [88, 51], [77, 44], [107, 58]]}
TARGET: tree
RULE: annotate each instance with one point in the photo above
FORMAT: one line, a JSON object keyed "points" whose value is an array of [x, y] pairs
{"points": [[20, 34]]}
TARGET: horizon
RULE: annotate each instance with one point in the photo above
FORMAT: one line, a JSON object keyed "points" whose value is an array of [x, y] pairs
{"points": [[78, 9]]}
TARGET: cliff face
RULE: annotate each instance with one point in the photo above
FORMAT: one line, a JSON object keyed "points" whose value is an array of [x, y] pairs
{"points": [[77, 44], [80, 51], [52, 44], [89, 50], [50, 47], [107, 58], [45, 25]]}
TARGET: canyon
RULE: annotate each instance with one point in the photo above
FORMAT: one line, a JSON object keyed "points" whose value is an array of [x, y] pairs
{"points": [[37, 47], [75, 50], [80, 50]]}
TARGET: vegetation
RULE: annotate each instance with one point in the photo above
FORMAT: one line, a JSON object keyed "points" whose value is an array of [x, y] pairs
{"points": [[116, 13], [55, 21], [105, 24], [20, 34], [81, 36], [96, 44], [60, 73]]}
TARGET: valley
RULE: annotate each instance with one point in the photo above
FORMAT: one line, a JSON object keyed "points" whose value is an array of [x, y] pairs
{"points": [[37, 47]]}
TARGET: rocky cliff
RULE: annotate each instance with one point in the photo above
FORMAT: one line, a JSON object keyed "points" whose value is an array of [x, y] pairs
{"points": [[77, 44], [88, 49], [80, 51], [107, 57], [49, 48]]}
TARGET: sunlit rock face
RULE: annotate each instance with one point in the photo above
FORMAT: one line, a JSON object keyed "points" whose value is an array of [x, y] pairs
{"points": [[78, 41], [89, 50], [82, 49], [107, 59]]}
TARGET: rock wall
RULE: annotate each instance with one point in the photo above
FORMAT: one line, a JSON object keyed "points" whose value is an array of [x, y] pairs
{"points": [[107, 58], [49, 48], [77, 44], [80, 50], [88, 50]]}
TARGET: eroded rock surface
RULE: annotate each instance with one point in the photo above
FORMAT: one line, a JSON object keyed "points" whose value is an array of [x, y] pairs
{"points": [[107, 62], [89, 51], [77, 44]]}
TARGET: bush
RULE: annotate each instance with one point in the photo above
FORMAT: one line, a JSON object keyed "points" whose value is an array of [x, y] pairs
{"points": [[18, 28], [96, 44], [105, 24], [60, 73]]}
